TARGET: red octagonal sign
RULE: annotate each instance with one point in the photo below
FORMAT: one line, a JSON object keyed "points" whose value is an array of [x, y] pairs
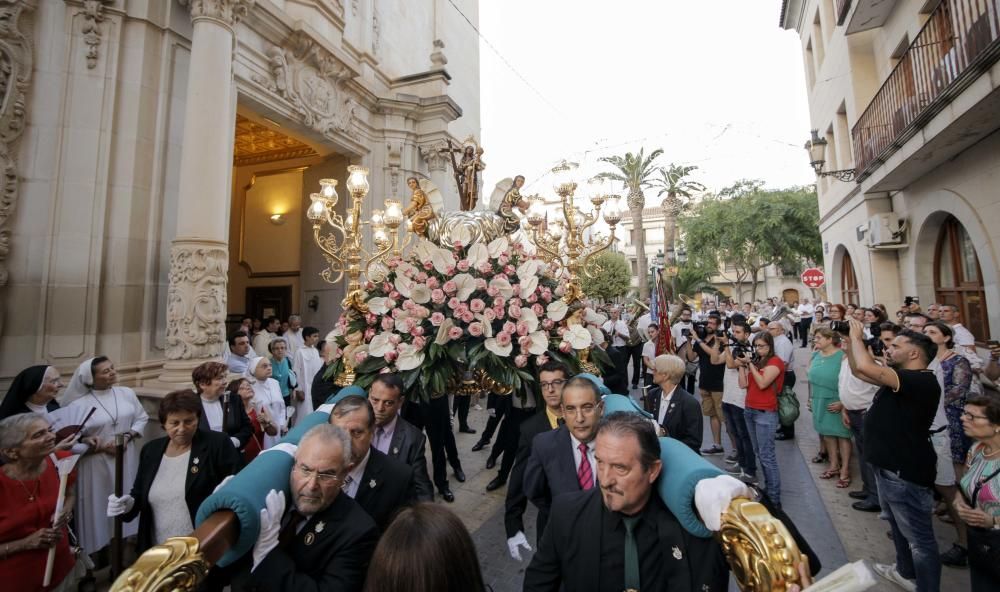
{"points": [[813, 277]]}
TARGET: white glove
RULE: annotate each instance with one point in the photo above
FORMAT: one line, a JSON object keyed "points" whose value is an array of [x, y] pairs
{"points": [[712, 498], [513, 544], [236, 442], [222, 484], [119, 505], [270, 526]]}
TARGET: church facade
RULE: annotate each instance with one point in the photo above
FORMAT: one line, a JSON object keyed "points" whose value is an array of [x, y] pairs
{"points": [[159, 156]]}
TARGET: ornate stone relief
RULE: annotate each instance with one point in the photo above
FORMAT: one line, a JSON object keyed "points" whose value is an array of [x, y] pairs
{"points": [[314, 82], [435, 156], [93, 16], [196, 299], [376, 33], [228, 12], [438, 59], [394, 160], [15, 75]]}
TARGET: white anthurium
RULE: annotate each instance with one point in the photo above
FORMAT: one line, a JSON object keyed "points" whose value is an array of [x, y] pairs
{"points": [[557, 310], [461, 234], [420, 293], [378, 305], [478, 254], [401, 322], [380, 345], [403, 286], [409, 357], [487, 325], [529, 318], [405, 269], [503, 287], [442, 259], [528, 269], [498, 246], [595, 334], [501, 350], [466, 285], [539, 343], [528, 286], [442, 336], [423, 249], [579, 337], [592, 316]]}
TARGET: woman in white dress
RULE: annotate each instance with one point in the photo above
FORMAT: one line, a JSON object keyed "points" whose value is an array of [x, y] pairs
{"points": [[267, 398], [118, 411], [305, 364]]}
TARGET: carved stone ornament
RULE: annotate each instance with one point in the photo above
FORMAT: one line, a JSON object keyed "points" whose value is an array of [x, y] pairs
{"points": [[15, 76], [174, 566], [228, 12], [435, 155], [93, 16], [314, 83], [196, 300], [394, 161]]}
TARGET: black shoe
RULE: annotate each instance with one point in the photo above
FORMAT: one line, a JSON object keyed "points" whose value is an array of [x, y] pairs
{"points": [[490, 463], [782, 437], [955, 557], [635, 386], [447, 495], [858, 495], [496, 483], [479, 446], [712, 450], [459, 474], [866, 506], [466, 430]]}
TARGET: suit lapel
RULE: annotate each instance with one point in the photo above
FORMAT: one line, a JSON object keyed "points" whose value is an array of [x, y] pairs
{"points": [[198, 458], [370, 478], [398, 439], [565, 459]]}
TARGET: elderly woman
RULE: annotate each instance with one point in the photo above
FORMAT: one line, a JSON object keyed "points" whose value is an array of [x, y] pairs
{"points": [[117, 411], [260, 424], [29, 488], [281, 368], [220, 411], [176, 473], [267, 401], [825, 405], [979, 505], [33, 389]]}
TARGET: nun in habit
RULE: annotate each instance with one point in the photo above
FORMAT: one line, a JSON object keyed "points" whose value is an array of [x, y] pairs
{"points": [[34, 390], [267, 400], [118, 411]]}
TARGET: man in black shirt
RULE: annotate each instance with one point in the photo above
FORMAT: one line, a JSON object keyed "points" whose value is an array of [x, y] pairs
{"points": [[710, 381], [898, 446]]}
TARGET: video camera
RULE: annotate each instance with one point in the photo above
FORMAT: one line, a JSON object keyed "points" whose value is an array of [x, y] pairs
{"points": [[741, 349]]}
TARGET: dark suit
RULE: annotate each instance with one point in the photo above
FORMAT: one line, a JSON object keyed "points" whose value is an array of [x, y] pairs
{"points": [[580, 550], [322, 388], [407, 446], [331, 558], [212, 459], [235, 422], [517, 502], [683, 420], [551, 469], [384, 487], [616, 378]]}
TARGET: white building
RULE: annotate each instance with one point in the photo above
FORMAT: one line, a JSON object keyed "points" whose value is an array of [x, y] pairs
{"points": [[148, 143], [906, 95]]}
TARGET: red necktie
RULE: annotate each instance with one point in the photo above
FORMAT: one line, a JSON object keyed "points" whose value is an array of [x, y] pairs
{"points": [[584, 474]]}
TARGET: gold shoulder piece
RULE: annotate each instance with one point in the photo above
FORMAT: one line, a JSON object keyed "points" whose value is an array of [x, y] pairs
{"points": [[761, 552], [174, 566]]}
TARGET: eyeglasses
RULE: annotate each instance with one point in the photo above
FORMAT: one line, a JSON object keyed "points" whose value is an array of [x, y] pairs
{"points": [[553, 384], [760, 346], [322, 477], [972, 416]]}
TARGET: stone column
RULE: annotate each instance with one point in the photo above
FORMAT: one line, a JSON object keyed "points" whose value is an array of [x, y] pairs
{"points": [[199, 255]]}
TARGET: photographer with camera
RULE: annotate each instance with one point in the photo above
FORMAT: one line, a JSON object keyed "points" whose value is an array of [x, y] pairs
{"points": [[706, 342], [898, 446], [763, 379], [734, 400], [681, 332]]}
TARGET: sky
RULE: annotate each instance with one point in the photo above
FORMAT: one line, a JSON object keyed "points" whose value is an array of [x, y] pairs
{"points": [[714, 83]]}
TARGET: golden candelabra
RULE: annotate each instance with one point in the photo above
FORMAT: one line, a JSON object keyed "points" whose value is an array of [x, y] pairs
{"points": [[345, 254], [565, 242]]}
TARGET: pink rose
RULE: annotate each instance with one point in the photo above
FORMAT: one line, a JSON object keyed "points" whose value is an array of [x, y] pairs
{"points": [[547, 324], [522, 328], [463, 265], [514, 311], [489, 314], [386, 287], [480, 284], [436, 319], [515, 301], [503, 338], [476, 329], [467, 316], [537, 309], [532, 298], [565, 347], [437, 295], [421, 277], [391, 355], [360, 357], [369, 286], [461, 309], [422, 312], [395, 339], [498, 301], [509, 327], [503, 259], [454, 303], [419, 342], [408, 304], [395, 295], [411, 324], [450, 270], [432, 282], [561, 331], [450, 287], [396, 312], [428, 265], [387, 323], [477, 305], [524, 342], [408, 272], [457, 245], [499, 311], [541, 360], [485, 267], [369, 333], [509, 269], [493, 292], [521, 361], [455, 332], [417, 331]]}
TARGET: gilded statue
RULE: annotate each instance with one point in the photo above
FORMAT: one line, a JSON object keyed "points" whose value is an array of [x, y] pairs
{"points": [[512, 199], [419, 211], [467, 171]]}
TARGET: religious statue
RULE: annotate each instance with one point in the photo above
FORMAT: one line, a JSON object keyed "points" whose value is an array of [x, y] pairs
{"points": [[419, 211], [467, 172], [512, 199]]}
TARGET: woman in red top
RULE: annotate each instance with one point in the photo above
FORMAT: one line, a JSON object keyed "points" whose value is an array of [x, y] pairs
{"points": [[764, 379], [29, 486]]}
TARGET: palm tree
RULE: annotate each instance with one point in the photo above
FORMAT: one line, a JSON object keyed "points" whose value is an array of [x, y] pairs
{"points": [[680, 190], [634, 171]]}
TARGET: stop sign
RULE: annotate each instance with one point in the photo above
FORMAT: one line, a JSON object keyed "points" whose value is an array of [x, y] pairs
{"points": [[813, 277]]}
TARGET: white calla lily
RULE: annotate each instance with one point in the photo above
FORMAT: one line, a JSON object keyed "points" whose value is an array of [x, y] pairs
{"points": [[539, 343], [409, 357], [423, 249], [478, 254], [403, 286], [380, 344], [557, 310], [442, 335], [420, 294], [529, 317], [442, 259], [492, 345], [487, 325], [528, 269], [579, 337], [466, 285], [503, 287], [498, 246], [378, 305], [529, 286]]}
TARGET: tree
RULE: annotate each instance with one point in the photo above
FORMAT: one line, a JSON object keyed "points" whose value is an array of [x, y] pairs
{"points": [[754, 230], [680, 190], [633, 172], [612, 277]]}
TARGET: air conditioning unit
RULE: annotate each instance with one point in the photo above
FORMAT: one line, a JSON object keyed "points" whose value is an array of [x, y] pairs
{"points": [[886, 231]]}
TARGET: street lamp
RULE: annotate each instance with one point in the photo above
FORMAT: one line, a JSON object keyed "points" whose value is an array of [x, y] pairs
{"points": [[816, 146]]}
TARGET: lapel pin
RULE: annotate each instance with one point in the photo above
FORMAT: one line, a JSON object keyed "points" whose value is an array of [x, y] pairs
{"points": [[320, 526], [194, 470], [195, 460], [310, 538], [395, 450], [677, 553], [371, 484]]}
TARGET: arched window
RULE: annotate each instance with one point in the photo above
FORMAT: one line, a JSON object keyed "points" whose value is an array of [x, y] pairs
{"points": [[957, 277], [848, 281]]}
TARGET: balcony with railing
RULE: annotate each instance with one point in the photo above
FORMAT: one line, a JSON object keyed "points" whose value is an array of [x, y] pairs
{"points": [[959, 41], [843, 7]]}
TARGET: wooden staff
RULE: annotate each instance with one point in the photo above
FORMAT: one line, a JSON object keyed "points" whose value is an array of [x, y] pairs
{"points": [[116, 540], [64, 466]]}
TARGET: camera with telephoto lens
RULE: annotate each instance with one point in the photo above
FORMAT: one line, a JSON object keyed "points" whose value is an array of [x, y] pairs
{"points": [[700, 329], [842, 327], [876, 345], [740, 349]]}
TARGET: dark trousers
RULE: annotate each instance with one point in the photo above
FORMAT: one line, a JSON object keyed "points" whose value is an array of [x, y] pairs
{"points": [[497, 407], [460, 407], [804, 326], [739, 435], [788, 431], [688, 382], [433, 417], [510, 434], [635, 353], [869, 485]]}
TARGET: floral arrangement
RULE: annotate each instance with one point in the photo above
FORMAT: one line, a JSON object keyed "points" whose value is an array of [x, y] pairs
{"points": [[445, 312]]}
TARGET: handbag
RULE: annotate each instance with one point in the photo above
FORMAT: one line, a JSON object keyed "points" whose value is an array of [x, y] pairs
{"points": [[788, 405]]}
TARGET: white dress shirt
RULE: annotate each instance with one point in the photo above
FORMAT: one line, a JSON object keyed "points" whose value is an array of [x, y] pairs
{"points": [[616, 329], [353, 481], [664, 404]]}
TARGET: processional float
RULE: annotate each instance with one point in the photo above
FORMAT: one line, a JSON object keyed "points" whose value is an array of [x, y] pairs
{"points": [[552, 256]]}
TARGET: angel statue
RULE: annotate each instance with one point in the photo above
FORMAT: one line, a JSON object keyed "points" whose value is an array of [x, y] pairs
{"points": [[419, 211], [512, 199]]}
